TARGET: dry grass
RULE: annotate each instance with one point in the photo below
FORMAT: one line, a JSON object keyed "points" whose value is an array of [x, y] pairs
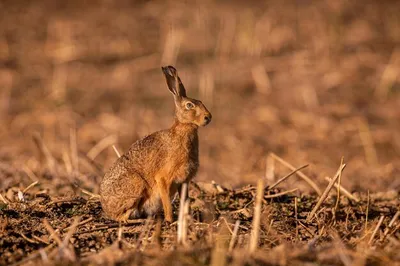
{"points": [[309, 82]]}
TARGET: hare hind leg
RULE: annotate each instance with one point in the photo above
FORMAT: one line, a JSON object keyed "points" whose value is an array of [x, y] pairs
{"points": [[123, 197]]}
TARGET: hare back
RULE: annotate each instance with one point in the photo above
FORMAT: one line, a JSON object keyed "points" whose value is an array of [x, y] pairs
{"points": [[170, 154]]}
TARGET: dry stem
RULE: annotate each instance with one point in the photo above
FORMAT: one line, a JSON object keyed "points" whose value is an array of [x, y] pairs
{"points": [[303, 176]]}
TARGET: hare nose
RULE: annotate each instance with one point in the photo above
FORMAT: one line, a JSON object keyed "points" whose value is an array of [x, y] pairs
{"points": [[207, 118]]}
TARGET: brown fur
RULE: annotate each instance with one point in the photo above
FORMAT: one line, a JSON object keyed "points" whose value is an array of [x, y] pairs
{"points": [[148, 175]]}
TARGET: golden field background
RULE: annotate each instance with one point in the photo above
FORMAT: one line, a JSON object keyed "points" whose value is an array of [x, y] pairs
{"points": [[310, 81]]}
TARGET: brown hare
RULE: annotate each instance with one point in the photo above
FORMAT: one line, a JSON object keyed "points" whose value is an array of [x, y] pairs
{"points": [[148, 175]]}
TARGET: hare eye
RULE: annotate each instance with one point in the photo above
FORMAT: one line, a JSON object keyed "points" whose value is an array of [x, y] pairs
{"points": [[189, 105]]}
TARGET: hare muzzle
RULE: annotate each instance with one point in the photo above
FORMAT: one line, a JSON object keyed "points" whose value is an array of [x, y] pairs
{"points": [[207, 119]]}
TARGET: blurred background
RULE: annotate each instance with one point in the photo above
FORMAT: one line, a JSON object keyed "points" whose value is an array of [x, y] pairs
{"points": [[310, 81]]}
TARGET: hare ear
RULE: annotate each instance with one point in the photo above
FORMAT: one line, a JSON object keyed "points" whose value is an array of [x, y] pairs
{"points": [[173, 81]]}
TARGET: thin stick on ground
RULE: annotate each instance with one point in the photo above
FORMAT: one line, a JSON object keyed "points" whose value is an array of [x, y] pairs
{"points": [[144, 235], [80, 223], [255, 232], [4, 200], [51, 162], [92, 195], [367, 211], [30, 186], [63, 251], [287, 176], [234, 235], [326, 193], [116, 151], [113, 226], [296, 217], [29, 173], [74, 150], [391, 223], [157, 234], [70, 232], [280, 194], [344, 190], [302, 175], [185, 222], [376, 229], [367, 141], [53, 234], [270, 169], [181, 214], [120, 230], [101, 145], [338, 188]]}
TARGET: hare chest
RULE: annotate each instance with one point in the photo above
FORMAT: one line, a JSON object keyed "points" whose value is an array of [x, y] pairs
{"points": [[184, 162], [182, 168]]}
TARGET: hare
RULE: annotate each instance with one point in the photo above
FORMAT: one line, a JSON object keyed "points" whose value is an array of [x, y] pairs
{"points": [[147, 176]]}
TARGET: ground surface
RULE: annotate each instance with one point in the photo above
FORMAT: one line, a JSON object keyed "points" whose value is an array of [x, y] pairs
{"points": [[310, 81]]}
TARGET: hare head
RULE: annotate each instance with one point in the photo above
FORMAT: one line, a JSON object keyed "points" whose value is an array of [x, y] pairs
{"points": [[187, 110]]}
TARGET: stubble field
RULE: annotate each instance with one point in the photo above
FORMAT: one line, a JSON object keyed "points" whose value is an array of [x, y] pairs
{"points": [[304, 83]]}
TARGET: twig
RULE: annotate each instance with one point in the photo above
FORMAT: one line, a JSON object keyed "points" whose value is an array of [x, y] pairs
{"points": [[112, 226], [92, 195], [345, 191], [376, 229], [270, 169], [116, 151], [340, 249], [30, 186], [234, 235], [74, 150], [67, 161], [40, 239], [307, 229], [296, 217], [51, 162], [181, 214], [280, 194], [185, 222], [69, 254], [29, 173], [391, 223], [4, 199], [157, 234], [80, 223], [68, 236], [261, 79], [144, 234], [28, 239], [286, 176], [254, 237], [218, 187], [227, 224], [101, 145], [326, 192], [44, 256], [53, 234], [389, 76], [367, 141], [120, 230], [338, 188], [291, 167], [367, 210]]}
